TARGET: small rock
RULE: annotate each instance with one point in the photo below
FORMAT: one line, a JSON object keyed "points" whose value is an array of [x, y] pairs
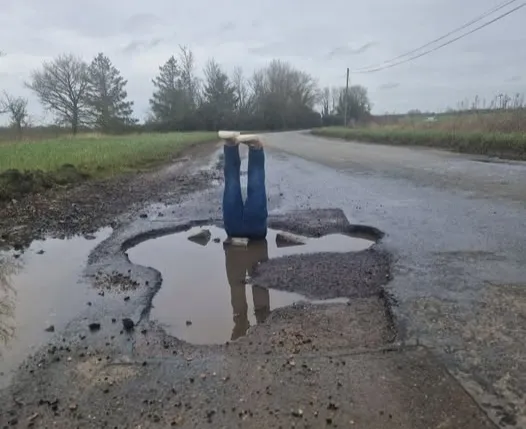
{"points": [[94, 326], [332, 406], [128, 324], [217, 240], [286, 239], [89, 303], [113, 320], [40, 252], [32, 418], [202, 237], [188, 323], [126, 298], [298, 413], [50, 328], [73, 407], [143, 215]]}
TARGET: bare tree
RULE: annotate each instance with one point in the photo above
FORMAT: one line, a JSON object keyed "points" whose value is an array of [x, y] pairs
{"points": [[16, 108], [189, 81], [241, 89], [61, 87], [325, 96], [284, 96]]}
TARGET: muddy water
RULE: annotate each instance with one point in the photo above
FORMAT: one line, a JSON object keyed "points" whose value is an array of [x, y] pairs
{"points": [[206, 296], [38, 289]]}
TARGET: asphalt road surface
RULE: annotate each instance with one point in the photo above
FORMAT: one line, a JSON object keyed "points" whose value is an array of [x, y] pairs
{"points": [[444, 348], [456, 225]]}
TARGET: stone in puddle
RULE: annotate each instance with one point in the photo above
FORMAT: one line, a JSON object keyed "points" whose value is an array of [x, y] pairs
{"points": [[94, 326], [202, 237], [286, 239], [128, 324]]}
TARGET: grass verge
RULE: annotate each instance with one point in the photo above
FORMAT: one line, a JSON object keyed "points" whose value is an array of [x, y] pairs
{"points": [[503, 145], [33, 166]]}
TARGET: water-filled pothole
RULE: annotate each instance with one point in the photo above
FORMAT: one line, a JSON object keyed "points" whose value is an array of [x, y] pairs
{"points": [[40, 292], [206, 296]]}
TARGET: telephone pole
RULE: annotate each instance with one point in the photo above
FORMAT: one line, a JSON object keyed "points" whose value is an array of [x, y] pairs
{"points": [[346, 99]]}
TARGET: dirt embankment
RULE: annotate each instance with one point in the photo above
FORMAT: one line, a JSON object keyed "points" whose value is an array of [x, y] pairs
{"points": [[68, 204]]}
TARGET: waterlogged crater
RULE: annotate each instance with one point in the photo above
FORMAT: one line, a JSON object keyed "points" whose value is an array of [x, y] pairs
{"points": [[41, 290], [207, 296]]}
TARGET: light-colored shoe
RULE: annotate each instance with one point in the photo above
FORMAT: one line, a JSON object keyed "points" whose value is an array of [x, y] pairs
{"points": [[237, 241], [228, 135], [252, 140]]}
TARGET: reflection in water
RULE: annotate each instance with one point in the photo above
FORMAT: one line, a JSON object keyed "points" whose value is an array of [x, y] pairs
{"points": [[9, 266], [38, 290], [200, 301], [240, 262]]}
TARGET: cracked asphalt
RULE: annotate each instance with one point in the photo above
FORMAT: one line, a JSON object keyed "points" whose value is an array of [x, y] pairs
{"points": [[435, 339]]}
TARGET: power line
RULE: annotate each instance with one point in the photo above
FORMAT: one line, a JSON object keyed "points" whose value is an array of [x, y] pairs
{"points": [[387, 65], [462, 27]]}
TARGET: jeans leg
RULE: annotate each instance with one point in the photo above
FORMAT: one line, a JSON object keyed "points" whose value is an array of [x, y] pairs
{"points": [[232, 198], [255, 214]]}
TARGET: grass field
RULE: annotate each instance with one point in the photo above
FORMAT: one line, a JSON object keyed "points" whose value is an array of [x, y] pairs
{"points": [[31, 166], [510, 145], [97, 154]]}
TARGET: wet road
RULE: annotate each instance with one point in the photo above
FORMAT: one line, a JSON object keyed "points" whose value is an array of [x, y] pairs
{"points": [[457, 228]]}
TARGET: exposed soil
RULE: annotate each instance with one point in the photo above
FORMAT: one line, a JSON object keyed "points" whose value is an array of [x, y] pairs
{"points": [[85, 206]]}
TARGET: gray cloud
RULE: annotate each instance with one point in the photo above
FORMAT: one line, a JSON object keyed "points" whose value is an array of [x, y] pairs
{"points": [[227, 26], [141, 23], [141, 45], [320, 38], [350, 50], [389, 85]]}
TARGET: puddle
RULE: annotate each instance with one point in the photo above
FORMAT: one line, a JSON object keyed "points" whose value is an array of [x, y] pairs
{"points": [[38, 290], [205, 298]]}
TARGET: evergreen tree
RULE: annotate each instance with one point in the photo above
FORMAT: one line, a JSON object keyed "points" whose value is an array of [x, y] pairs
{"points": [[107, 97]]}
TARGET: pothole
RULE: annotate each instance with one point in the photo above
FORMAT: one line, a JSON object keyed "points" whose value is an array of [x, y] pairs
{"points": [[206, 296], [40, 292]]}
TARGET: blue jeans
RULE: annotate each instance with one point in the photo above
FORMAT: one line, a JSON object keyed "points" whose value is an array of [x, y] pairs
{"points": [[247, 219]]}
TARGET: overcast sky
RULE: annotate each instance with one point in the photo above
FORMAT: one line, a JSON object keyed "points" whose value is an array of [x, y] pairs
{"points": [[320, 37]]}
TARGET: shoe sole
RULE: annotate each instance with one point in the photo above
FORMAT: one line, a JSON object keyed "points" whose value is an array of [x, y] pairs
{"points": [[228, 135]]}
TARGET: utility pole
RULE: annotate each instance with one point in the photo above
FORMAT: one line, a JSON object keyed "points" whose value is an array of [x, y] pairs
{"points": [[346, 99]]}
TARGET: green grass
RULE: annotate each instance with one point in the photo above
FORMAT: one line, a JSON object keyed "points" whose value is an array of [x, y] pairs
{"points": [[504, 145], [33, 166], [97, 154]]}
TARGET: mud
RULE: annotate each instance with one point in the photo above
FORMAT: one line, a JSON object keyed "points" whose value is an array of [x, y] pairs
{"points": [[41, 290], [333, 365], [204, 297], [86, 206]]}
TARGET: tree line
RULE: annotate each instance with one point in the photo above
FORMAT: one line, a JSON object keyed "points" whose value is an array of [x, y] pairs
{"points": [[275, 97]]}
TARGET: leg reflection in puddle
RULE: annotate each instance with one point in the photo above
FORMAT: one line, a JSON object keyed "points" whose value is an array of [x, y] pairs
{"points": [[240, 263]]}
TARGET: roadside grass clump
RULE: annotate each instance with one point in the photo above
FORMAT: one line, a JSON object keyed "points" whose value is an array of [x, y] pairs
{"points": [[34, 166], [504, 145]]}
